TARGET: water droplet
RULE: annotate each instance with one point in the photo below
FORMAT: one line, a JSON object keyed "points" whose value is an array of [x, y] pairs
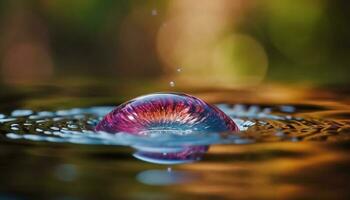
{"points": [[172, 84], [179, 70], [195, 115]]}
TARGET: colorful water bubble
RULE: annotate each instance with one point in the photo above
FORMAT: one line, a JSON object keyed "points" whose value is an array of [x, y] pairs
{"points": [[166, 113]]}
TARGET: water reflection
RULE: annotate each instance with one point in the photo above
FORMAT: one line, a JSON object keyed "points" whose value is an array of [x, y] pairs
{"points": [[316, 167], [304, 170], [288, 171], [171, 156]]}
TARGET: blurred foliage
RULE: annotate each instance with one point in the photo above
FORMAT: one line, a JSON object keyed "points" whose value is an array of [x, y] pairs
{"points": [[294, 41]]}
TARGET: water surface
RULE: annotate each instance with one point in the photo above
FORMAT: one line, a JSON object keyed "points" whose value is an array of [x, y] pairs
{"points": [[291, 146]]}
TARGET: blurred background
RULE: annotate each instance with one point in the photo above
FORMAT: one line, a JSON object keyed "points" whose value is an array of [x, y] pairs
{"points": [[174, 44], [70, 54]]}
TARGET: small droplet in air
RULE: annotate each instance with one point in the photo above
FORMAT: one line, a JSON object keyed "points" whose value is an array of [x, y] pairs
{"points": [[154, 12], [172, 84], [179, 70]]}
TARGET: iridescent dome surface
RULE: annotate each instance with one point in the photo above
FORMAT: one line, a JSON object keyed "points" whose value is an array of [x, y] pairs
{"points": [[166, 113]]}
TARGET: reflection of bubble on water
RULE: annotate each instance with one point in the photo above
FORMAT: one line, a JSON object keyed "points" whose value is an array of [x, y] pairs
{"points": [[163, 161], [171, 156]]}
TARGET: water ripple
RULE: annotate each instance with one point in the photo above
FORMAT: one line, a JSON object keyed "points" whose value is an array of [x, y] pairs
{"points": [[256, 123]]}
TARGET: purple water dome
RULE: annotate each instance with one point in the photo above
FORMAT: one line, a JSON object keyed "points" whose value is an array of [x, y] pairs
{"points": [[166, 112]]}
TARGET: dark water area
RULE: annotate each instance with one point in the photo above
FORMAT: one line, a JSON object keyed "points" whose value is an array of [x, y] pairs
{"points": [[294, 143]]}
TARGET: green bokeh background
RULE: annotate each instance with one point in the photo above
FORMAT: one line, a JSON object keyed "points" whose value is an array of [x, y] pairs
{"points": [[306, 41]]}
